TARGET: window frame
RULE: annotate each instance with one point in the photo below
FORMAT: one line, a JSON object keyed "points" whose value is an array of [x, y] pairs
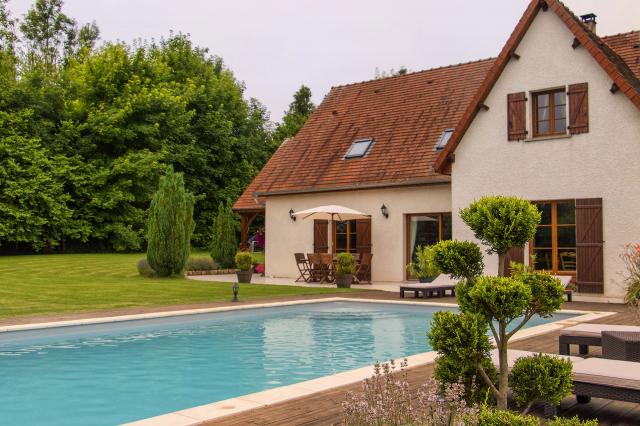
{"points": [[407, 248], [552, 123], [334, 244], [439, 145], [366, 151], [554, 235]]}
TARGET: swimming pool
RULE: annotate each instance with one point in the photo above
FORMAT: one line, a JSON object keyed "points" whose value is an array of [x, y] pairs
{"points": [[106, 374]]}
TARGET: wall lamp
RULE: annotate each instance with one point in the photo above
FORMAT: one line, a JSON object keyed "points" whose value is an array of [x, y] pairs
{"points": [[292, 216], [384, 211]]}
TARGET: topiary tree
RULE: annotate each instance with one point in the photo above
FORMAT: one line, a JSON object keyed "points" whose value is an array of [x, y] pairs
{"points": [[224, 245], [170, 225], [460, 259], [540, 378], [502, 223], [507, 304], [463, 352]]}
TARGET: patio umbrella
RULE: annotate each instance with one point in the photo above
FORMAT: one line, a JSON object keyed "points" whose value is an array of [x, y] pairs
{"points": [[332, 212]]}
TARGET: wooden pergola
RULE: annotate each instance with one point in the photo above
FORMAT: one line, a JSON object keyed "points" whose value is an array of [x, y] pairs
{"points": [[246, 218]]}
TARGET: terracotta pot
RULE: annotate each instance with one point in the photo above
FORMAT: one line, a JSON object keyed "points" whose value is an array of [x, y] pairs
{"points": [[244, 276], [344, 281]]}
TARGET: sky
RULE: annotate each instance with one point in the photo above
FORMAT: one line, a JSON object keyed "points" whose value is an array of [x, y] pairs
{"points": [[274, 46]]}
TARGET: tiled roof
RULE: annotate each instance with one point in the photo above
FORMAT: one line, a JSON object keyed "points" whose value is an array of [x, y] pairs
{"points": [[627, 46], [611, 61], [405, 115]]}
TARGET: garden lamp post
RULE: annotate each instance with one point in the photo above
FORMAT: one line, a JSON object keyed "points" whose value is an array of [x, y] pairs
{"points": [[235, 287]]}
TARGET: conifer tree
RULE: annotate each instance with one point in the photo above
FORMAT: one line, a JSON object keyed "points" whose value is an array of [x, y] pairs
{"points": [[170, 225], [225, 245]]}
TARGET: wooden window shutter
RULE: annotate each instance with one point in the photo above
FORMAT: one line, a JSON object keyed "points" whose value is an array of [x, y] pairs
{"points": [[320, 236], [517, 116], [578, 108], [590, 273], [515, 254], [363, 239]]}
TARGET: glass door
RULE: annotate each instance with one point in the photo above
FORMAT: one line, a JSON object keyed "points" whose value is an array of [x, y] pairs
{"points": [[425, 230]]}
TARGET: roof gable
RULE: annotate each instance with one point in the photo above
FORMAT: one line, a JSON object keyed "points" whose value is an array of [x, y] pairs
{"points": [[610, 61]]}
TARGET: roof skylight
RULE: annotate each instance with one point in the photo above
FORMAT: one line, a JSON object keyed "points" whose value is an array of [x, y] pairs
{"points": [[444, 138], [359, 148]]}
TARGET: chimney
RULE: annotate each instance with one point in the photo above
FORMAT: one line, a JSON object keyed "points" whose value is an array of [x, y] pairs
{"points": [[590, 21]]}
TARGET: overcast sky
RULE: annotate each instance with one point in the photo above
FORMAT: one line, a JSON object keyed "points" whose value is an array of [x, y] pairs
{"points": [[274, 46]]}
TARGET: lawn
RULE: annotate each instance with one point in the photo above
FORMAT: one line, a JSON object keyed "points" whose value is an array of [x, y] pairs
{"points": [[49, 284]]}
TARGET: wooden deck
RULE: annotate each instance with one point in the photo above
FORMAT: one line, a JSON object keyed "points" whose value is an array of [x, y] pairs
{"points": [[324, 408]]}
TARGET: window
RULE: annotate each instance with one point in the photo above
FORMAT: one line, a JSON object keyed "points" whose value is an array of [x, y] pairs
{"points": [[345, 236], [550, 113], [554, 244], [359, 148], [425, 230], [444, 139]]}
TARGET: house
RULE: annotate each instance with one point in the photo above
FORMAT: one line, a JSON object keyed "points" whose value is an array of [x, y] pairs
{"points": [[555, 119]]}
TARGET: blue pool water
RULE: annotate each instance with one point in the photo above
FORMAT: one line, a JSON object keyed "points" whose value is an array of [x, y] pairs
{"points": [[112, 373]]}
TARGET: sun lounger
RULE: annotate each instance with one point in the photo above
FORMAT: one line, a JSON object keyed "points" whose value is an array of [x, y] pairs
{"points": [[439, 286], [586, 335], [566, 280], [594, 377]]}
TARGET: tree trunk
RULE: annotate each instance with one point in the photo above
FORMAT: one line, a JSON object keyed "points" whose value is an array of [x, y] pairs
{"points": [[501, 264], [503, 383]]}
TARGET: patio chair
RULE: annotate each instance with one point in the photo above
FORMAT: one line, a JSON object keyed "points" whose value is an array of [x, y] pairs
{"points": [[585, 335], [594, 377], [315, 268], [303, 267], [621, 345], [326, 267], [363, 268], [438, 286]]}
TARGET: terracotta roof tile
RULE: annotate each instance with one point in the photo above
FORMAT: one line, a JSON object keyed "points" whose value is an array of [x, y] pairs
{"points": [[405, 115], [627, 46]]}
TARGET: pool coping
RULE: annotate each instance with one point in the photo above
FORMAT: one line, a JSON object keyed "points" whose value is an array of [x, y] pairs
{"points": [[216, 410]]}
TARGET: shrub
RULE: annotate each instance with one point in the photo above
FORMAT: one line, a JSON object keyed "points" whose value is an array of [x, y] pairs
{"points": [[502, 223], [424, 266], [224, 245], [201, 264], [574, 421], [631, 259], [387, 400], [170, 225], [345, 264], [540, 378], [460, 259], [463, 347], [145, 269], [490, 417], [244, 261]]}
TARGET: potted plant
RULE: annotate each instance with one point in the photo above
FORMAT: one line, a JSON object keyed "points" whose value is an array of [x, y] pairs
{"points": [[424, 268], [345, 268], [244, 262]]}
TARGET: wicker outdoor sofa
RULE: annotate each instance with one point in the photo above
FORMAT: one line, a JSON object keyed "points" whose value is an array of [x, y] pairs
{"points": [[585, 335], [594, 377]]}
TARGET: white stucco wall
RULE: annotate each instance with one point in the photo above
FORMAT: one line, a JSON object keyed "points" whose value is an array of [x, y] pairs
{"points": [[285, 237], [602, 163]]}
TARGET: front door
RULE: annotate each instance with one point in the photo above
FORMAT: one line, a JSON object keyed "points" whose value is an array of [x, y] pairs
{"points": [[425, 229]]}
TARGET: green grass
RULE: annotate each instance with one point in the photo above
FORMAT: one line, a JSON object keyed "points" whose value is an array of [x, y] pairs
{"points": [[50, 284]]}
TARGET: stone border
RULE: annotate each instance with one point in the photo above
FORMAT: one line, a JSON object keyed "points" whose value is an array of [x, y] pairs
{"points": [[212, 272], [208, 412]]}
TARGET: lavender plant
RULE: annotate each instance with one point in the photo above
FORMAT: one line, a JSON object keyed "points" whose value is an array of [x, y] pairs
{"points": [[386, 399]]}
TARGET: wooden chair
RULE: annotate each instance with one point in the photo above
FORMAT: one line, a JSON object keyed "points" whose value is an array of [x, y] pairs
{"points": [[303, 267], [363, 271], [568, 261], [326, 266], [315, 268]]}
